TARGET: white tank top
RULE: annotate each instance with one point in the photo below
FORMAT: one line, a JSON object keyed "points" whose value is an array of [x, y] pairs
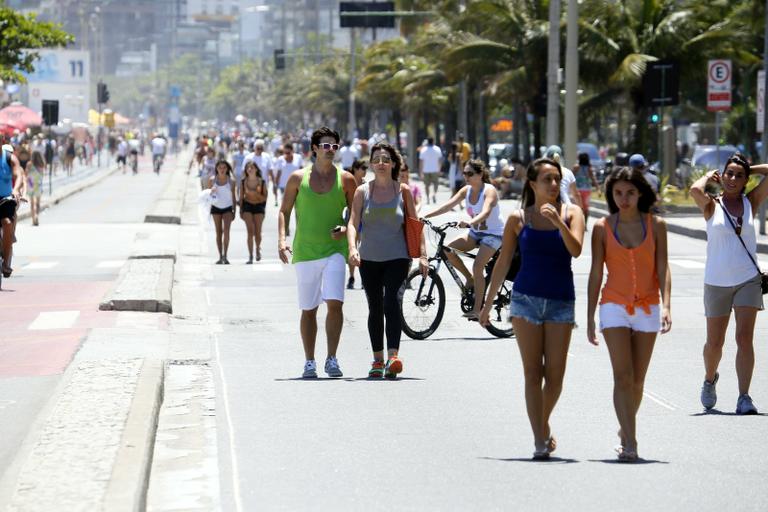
{"points": [[727, 261], [221, 195], [494, 224]]}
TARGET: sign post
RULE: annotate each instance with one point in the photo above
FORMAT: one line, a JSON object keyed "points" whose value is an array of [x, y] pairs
{"points": [[718, 93]]}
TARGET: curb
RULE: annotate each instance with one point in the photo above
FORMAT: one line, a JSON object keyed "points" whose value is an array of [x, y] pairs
{"points": [[167, 208], [128, 485], [144, 284], [46, 203]]}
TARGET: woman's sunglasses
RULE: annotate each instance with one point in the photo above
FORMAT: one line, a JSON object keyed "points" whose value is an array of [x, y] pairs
{"points": [[328, 146], [469, 174]]}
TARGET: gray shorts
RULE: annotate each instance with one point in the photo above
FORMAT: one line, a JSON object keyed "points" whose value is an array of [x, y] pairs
{"points": [[719, 300], [431, 178]]}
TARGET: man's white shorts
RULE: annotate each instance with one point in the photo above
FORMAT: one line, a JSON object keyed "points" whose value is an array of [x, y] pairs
{"points": [[615, 315], [320, 280]]}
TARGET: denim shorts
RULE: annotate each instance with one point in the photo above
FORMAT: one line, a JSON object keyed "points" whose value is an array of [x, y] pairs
{"points": [[492, 241], [538, 310]]}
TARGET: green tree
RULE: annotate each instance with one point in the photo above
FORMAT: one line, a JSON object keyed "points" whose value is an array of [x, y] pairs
{"points": [[18, 33]]}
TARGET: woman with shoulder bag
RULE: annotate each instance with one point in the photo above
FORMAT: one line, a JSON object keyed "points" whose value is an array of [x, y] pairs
{"points": [[732, 280], [380, 207]]}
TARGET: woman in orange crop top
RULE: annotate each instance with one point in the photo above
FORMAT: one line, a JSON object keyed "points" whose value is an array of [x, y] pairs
{"points": [[632, 244]]}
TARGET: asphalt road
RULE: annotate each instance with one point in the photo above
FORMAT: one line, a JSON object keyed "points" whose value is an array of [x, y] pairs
{"points": [[62, 270], [452, 433]]}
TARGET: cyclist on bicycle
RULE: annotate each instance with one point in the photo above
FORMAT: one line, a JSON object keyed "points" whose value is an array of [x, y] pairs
{"points": [[486, 227], [11, 182], [158, 151]]}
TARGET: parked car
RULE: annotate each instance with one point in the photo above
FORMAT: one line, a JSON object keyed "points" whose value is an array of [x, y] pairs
{"points": [[705, 157], [497, 152]]}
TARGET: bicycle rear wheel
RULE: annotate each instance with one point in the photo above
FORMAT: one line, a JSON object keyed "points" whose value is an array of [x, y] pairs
{"points": [[499, 325], [422, 304]]}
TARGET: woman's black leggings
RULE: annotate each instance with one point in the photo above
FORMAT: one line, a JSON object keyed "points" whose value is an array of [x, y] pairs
{"points": [[382, 281]]}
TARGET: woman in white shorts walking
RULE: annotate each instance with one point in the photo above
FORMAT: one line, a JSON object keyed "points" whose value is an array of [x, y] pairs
{"points": [[731, 277], [632, 244]]}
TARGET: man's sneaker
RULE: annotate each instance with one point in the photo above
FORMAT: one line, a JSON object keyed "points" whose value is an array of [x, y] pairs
{"points": [[332, 367], [394, 366], [310, 370], [377, 369], [708, 393], [744, 405]]}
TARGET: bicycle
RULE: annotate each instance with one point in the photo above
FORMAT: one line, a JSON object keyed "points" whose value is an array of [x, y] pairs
{"points": [[157, 162], [423, 298], [134, 161]]}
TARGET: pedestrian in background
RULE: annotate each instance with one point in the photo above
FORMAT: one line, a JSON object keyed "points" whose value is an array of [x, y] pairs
{"points": [[731, 277], [380, 206], [35, 173], [320, 193], [549, 233], [358, 170], [222, 206], [208, 167], [253, 202], [585, 180], [430, 158], [569, 194], [405, 177], [632, 244]]}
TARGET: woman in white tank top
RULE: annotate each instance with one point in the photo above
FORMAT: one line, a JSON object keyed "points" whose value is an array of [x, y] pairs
{"points": [[485, 227], [222, 206], [731, 278]]}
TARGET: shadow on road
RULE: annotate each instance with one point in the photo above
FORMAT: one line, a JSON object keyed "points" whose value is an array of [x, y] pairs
{"points": [[551, 460], [715, 412], [368, 379], [463, 338], [623, 463], [344, 379]]}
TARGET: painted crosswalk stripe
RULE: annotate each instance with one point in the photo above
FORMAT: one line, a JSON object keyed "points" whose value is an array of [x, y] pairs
{"points": [[268, 267], [688, 263], [110, 264], [40, 265], [54, 320]]}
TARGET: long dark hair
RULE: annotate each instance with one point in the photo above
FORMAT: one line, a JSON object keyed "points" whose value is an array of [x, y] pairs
{"points": [[635, 177], [529, 197], [393, 154], [478, 167], [245, 173], [740, 160]]}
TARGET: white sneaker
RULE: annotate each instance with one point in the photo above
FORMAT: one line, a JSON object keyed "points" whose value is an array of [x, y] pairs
{"points": [[332, 367], [310, 370]]}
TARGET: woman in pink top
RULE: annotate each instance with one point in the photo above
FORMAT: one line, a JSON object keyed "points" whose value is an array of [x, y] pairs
{"points": [[632, 244]]}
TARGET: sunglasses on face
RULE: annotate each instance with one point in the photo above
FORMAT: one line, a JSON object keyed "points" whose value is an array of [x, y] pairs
{"points": [[381, 160], [468, 174], [328, 146]]}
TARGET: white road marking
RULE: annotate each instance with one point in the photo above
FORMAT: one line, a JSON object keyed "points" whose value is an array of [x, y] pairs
{"points": [[40, 265], [659, 400], [268, 267], [688, 263], [54, 320], [110, 264], [231, 431]]}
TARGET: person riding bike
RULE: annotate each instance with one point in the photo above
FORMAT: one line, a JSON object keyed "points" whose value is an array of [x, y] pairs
{"points": [[486, 227], [11, 181], [159, 145]]}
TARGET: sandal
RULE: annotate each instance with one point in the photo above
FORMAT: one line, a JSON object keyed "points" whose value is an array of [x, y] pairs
{"points": [[624, 455], [541, 455]]}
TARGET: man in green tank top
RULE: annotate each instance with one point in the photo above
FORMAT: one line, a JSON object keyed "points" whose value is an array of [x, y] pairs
{"points": [[320, 193]]}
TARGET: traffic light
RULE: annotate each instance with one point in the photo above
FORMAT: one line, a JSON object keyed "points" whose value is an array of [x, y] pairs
{"points": [[279, 58], [102, 93], [654, 118]]}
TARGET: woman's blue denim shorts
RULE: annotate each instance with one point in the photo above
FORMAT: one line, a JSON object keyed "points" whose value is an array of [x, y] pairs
{"points": [[538, 310]]}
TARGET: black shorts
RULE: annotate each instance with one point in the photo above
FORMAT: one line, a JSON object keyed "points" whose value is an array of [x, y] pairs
{"points": [[255, 208], [8, 210], [221, 211], [120, 159]]}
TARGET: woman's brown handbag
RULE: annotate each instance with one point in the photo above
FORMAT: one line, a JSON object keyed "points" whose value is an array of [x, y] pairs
{"points": [[412, 227]]}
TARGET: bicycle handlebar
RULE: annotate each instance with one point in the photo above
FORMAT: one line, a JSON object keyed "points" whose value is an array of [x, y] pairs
{"points": [[441, 228]]}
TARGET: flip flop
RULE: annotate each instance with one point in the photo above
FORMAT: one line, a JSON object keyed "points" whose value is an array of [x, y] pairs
{"points": [[541, 455]]}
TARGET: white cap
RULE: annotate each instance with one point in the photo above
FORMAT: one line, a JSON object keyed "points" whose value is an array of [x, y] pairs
{"points": [[8, 148]]}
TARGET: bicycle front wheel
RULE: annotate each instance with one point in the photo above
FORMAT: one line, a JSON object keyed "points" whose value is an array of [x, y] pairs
{"points": [[499, 325], [422, 304]]}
